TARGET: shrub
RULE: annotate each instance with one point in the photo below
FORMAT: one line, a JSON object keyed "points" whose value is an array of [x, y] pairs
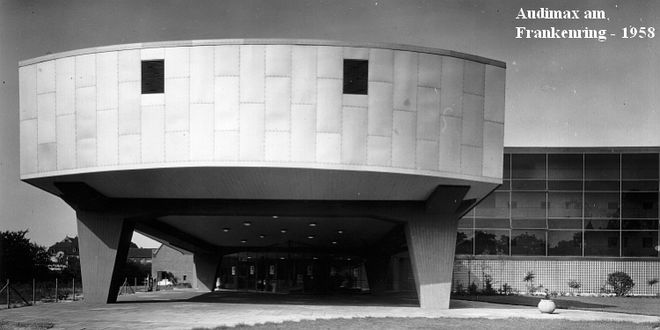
{"points": [[472, 289], [652, 282], [488, 290], [621, 283], [574, 284], [506, 289]]}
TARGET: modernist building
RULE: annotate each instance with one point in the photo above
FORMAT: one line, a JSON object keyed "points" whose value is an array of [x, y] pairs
{"points": [[319, 151], [565, 214]]}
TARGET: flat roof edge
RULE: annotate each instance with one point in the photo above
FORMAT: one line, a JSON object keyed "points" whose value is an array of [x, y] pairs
{"points": [[598, 149], [301, 42]]}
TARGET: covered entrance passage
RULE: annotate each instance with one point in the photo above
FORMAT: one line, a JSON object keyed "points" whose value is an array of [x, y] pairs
{"points": [[292, 273]]}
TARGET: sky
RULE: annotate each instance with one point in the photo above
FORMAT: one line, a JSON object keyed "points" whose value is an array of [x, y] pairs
{"points": [[559, 92]]}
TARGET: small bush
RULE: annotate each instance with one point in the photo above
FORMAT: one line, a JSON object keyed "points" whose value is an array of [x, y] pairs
{"points": [[506, 289], [621, 283], [472, 289], [574, 284]]}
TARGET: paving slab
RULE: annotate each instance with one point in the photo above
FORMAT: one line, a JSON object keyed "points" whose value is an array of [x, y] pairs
{"points": [[186, 310]]}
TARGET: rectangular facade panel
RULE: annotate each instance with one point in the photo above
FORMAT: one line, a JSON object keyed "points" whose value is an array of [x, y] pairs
{"points": [[226, 145], [177, 63], [451, 89], [450, 144], [494, 99], [471, 160], [427, 155], [47, 156], [65, 85], [430, 70], [278, 145], [356, 53], [330, 62], [86, 112], [226, 103], [328, 148], [226, 60], [428, 113], [405, 81], [354, 136], [201, 75], [252, 132], [278, 60], [66, 142], [148, 100], [355, 100], [177, 146], [403, 141], [152, 54], [129, 108], [381, 65], [493, 146], [27, 88], [303, 133], [303, 90], [106, 80], [130, 149], [473, 78], [46, 118], [177, 104], [252, 73], [380, 109], [379, 150], [153, 134], [329, 105], [85, 70], [86, 152], [473, 120], [201, 131], [107, 137], [45, 77], [278, 103], [128, 65], [28, 145]]}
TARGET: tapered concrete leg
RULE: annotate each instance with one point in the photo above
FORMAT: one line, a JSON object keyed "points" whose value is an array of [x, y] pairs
{"points": [[431, 244], [206, 266], [377, 267], [103, 243]]}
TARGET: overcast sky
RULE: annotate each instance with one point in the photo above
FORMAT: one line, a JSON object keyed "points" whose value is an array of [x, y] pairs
{"points": [[559, 92]]}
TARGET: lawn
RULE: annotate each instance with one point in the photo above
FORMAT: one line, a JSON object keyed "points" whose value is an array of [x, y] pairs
{"points": [[444, 323], [631, 305]]}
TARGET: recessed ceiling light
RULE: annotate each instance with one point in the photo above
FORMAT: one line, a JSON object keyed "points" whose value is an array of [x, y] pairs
{"points": [[243, 241], [282, 258], [316, 258], [283, 231], [262, 236], [249, 257], [311, 236], [226, 230], [247, 223], [334, 242], [312, 224], [349, 259], [275, 217], [340, 231]]}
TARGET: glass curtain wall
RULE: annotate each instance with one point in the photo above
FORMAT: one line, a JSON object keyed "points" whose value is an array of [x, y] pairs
{"points": [[568, 204]]}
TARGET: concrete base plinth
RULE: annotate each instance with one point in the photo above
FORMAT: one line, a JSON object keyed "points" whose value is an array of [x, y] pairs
{"points": [[103, 243], [431, 242]]}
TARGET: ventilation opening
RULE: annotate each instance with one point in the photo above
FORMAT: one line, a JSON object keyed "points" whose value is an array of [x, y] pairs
{"points": [[356, 76], [153, 77]]}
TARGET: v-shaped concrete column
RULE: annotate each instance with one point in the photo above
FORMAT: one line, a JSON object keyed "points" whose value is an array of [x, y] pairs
{"points": [[431, 244], [206, 266], [103, 243]]}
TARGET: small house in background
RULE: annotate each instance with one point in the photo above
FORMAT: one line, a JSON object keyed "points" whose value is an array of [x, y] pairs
{"points": [[141, 256], [174, 264], [61, 253]]}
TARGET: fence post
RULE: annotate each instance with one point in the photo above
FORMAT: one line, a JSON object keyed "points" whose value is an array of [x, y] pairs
{"points": [[134, 284], [7, 286], [34, 295], [73, 297], [56, 290]]}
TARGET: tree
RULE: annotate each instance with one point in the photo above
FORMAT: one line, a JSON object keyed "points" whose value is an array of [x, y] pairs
{"points": [[621, 282], [20, 260]]}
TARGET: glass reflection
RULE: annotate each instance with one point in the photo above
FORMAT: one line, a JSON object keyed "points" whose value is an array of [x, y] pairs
{"points": [[494, 242], [564, 166], [464, 242], [640, 243], [528, 205], [601, 243], [639, 205], [564, 243], [527, 242], [639, 166], [528, 166], [601, 205], [565, 205], [601, 166]]}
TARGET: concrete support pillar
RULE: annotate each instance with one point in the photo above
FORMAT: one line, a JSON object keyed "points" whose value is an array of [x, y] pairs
{"points": [[206, 266], [396, 270], [431, 244], [103, 244], [377, 267]]}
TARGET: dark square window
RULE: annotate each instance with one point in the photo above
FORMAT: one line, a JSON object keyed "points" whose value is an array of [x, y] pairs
{"points": [[153, 77], [356, 76]]}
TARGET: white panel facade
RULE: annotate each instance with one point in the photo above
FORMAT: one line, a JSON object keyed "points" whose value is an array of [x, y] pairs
{"points": [[263, 105]]}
